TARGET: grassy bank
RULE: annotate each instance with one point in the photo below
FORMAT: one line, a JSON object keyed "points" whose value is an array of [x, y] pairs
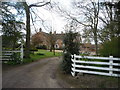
{"points": [[40, 54], [88, 80]]}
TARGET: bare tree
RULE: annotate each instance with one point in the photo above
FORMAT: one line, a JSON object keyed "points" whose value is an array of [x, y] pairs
{"points": [[27, 11], [110, 21], [85, 15]]}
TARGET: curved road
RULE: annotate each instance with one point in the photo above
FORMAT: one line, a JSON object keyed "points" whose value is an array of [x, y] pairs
{"points": [[39, 74]]}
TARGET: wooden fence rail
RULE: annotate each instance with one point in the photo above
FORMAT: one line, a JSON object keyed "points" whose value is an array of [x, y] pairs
{"points": [[108, 66], [7, 54]]}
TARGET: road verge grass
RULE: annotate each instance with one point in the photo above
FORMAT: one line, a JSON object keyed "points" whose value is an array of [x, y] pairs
{"points": [[88, 80], [40, 54]]}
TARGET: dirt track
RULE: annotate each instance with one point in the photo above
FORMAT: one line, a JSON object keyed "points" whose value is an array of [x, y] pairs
{"points": [[40, 74]]}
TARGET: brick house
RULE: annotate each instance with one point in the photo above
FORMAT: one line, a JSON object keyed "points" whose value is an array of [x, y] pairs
{"points": [[40, 38], [43, 38], [59, 40], [87, 48]]}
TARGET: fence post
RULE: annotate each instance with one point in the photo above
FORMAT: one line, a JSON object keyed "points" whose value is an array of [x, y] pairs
{"points": [[74, 65], [111, 65], [22, 52]]}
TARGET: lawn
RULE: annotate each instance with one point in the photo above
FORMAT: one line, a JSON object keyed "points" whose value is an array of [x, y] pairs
{"points": [[40, 54]]}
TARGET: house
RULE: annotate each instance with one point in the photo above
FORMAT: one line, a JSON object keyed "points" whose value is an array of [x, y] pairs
{"points": [[47, 39], [59, 40], [87, 48], [39, 39]]}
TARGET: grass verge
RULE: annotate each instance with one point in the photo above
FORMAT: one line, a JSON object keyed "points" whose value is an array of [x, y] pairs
{"points": [[40, 54], [88, 80]]}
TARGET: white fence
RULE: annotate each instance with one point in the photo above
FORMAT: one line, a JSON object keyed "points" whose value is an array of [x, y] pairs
{"points": [[95, 65], [7, 54]]}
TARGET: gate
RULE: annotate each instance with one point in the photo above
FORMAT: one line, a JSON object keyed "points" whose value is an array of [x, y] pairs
{"points": [[6, 55]]}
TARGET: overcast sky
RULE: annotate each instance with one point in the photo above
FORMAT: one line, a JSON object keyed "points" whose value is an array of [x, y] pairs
{"points": [[51, 18]]}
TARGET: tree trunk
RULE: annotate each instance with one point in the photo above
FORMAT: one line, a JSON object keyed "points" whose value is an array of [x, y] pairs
{"points": [[96, 45], [27, 10], [27, 46], [95, 40], [50, 48], [53, 49]]}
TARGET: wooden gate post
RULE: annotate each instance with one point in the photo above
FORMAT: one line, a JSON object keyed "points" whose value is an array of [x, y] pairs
{"points": [[22, 52], [111, 66], [74, 65]]}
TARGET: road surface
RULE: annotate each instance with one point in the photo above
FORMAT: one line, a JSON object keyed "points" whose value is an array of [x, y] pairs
{"points": [[39, 74]]}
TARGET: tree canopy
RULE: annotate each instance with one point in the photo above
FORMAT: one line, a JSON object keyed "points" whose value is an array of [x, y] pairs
{"points": [[11, 26]]}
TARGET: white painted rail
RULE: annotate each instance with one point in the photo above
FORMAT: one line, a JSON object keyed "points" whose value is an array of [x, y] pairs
{"points": [[83, 65], [6, 54]]}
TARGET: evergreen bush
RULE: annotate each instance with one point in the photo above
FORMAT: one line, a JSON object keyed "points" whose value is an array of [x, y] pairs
{"points": [[71, 47]]}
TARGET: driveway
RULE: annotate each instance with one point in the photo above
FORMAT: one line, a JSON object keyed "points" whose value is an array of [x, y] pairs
{"points": [[39, 74]]}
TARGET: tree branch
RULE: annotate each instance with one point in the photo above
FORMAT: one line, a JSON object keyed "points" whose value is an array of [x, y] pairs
{"points": [[34, 5], [33, 23], [80, 22]]}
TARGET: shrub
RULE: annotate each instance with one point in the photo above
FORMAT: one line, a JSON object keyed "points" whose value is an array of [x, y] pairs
{"points": [[15, 59], [42, 47], [66, 63], [71, 47], [111, 48]]}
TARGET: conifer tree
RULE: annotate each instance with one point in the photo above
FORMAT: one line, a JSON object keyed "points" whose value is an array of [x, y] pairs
{"points": [[71, 47]]}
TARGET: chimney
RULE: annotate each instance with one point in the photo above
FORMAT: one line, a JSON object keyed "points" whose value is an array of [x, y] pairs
{"points": [[61, 32]]}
